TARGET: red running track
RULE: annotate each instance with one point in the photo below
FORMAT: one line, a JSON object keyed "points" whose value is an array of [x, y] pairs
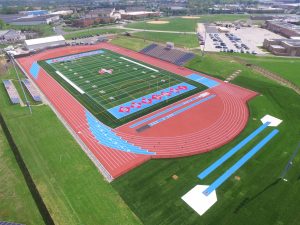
{"points": [[200, 129]]}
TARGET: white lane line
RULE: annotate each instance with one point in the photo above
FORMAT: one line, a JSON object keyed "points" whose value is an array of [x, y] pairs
{"points": [[139, 64], [70, 82]]}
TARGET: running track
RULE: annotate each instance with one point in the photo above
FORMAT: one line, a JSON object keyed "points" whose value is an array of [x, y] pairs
{"points": [[200, 129]]}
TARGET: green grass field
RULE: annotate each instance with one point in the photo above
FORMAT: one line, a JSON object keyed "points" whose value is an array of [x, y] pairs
{"points": [[184, 25], [93, 31], [258, 198], [70, 185], [129, 80], [288, 68], [16, 202], [183, 40], [43, 30], [135, 44]]}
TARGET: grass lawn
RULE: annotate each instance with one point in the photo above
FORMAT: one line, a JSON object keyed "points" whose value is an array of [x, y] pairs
{"points": [[70, 185], [132, 43], [16, 202], [44, 30], [180, 24], [93, 31], [258, 198], [183, 40], [288, 68]]}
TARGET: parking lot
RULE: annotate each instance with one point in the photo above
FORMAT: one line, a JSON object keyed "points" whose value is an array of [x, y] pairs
{"points": [[243, 40]]}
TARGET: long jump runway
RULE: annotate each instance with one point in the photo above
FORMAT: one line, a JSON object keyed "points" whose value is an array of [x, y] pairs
{"points": [[201, 128]]}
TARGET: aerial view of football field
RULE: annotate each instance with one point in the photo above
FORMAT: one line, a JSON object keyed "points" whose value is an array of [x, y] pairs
{"points": [[131, 131], [104, 80]]}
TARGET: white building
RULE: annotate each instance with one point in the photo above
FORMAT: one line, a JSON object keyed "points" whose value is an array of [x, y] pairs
{"points": [[46, 42], [62, 12]]}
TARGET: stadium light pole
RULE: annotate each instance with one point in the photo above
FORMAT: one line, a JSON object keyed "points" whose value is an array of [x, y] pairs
{"points": [[18, 77], [289, 164]]}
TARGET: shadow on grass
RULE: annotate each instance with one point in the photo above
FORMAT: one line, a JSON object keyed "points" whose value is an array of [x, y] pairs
{"points": [[247, 200]]}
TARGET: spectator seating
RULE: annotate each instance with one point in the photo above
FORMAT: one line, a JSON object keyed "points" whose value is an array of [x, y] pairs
{"points": [[8, 223], [174, 56], [11, 91], [32, 90]]}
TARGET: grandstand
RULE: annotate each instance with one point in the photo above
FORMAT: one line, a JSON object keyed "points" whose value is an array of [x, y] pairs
{"points": [[168, 54], [11, 91], [32, 90]]}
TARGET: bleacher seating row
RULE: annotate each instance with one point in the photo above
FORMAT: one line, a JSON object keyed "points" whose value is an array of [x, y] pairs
{"points": [[174, 56], [108, 138], [32, 90], [9, 223], [11, 91]]}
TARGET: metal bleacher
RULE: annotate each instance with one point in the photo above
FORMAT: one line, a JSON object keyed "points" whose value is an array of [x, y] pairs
{"points": [[32, 90], [9, 223], [171, 55], [11, 91]]}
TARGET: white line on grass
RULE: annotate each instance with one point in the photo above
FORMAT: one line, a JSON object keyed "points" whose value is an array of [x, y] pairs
{"points": [[70, 82], [139, 64]]}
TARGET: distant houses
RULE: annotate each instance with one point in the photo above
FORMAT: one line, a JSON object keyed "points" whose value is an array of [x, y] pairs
{"points": [[11, 36]]}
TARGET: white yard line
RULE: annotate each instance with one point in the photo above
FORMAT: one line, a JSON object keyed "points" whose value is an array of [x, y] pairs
{"points": [[70, 82], [139, 64]]}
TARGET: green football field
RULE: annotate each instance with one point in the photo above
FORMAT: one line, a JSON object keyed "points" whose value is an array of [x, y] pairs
{"points": [[103, 81]]}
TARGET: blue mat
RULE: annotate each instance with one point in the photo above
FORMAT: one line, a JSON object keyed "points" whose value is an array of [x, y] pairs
{"points": [[232, 151], [203, 80], [34, 70], [107, 137], [219, 181]]}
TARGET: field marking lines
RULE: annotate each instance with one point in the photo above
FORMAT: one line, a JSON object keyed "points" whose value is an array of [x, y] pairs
{"points": [[70, 82], [95, 58], [139, 64]]}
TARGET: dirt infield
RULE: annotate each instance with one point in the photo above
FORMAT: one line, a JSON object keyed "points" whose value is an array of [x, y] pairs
{"points": [[158, 22], [190, 17]]}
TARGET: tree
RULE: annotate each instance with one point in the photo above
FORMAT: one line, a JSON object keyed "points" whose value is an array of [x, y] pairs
{"points": [[2, 25]]}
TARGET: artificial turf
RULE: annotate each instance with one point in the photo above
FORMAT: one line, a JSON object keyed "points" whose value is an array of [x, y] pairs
{"points": [[127, 82]]}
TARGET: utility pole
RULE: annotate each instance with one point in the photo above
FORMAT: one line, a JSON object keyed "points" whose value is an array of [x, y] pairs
{"points": [[18, 77], [289, 164]]}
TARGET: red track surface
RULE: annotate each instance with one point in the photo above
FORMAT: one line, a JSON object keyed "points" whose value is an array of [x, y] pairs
{"points": [[200, 129]]}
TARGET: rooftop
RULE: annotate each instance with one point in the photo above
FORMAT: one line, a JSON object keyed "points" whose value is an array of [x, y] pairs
{"points": [[285, 25], [44, 40]]}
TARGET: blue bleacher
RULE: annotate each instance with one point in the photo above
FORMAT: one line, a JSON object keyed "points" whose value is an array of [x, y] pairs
{"points": [[33, 92], [148, 48], [107, 137], [11, 91], [171, 55], [8, 223], [219, 181], [184, 59]]}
